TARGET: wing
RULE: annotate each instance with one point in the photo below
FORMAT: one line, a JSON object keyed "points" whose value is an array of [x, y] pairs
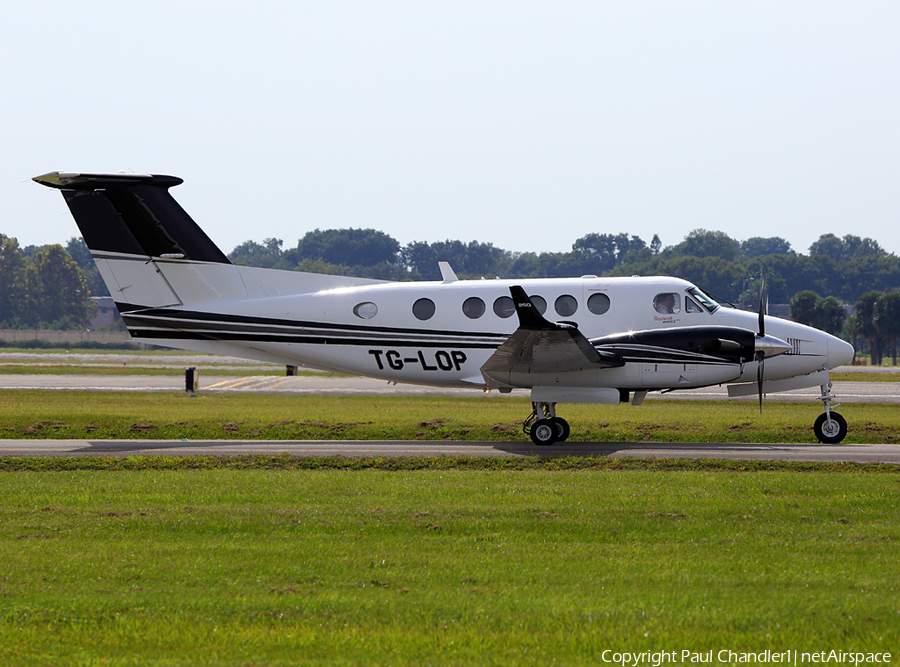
{"points": [[539, 346]]}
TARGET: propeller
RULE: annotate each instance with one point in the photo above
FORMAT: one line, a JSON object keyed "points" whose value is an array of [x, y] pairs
{"points": [[761, 354]]}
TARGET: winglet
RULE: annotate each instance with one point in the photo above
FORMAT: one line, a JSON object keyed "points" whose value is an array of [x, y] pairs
{"points": [[529, 317]]}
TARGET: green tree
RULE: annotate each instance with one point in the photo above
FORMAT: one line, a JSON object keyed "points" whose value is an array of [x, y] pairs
{"points": [[864, 273], [704, 243], [597, 253], [830, 315], [827, 314], [865, 326], [351, 247], [57, 290], [845, 249], [758, 246], [468, 260], [828, 245], [77, 248], [268, 254], [711, 274], [887, 320], [803, 307], [12, 281]]}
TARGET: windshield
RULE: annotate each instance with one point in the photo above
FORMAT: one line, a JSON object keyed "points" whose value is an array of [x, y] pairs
{"points": [[706, 301]]}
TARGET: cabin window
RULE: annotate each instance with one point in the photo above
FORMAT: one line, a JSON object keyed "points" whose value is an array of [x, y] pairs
{"points": [[691, 306], [598, 303], [473, 307], [667, 303], [539, 302], [566, 305], [366, 310], [423, 309], [504, 307]]}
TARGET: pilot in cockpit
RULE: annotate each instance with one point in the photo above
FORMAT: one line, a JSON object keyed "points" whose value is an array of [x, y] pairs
{"points": [[666, 303]]}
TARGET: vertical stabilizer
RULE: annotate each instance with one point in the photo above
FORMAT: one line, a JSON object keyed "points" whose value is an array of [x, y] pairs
{"points": [[147, 248]]}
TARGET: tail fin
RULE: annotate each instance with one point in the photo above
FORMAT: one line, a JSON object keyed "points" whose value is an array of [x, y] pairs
{"points": [[133, 214], [146, 246]]}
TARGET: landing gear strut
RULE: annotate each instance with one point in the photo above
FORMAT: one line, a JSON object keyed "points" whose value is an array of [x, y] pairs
{"points": [[830, 428], [544, 426]]}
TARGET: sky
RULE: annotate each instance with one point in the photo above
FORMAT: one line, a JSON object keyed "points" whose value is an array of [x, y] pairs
{"points": [[523, 124]]}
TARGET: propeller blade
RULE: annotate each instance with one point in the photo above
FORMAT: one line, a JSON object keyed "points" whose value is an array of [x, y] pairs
{"points": [[762, 305], [759, 381]]}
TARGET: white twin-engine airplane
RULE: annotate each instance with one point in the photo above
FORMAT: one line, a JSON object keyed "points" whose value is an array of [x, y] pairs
{"points": [[575, 340]]}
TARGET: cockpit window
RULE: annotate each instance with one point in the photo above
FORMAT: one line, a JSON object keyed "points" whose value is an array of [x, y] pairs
{"points": [[705, 300], [691, 306], [667, 303]]}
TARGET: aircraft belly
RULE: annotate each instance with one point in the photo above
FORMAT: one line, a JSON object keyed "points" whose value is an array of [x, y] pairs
{"points": [[656, 375], [586, 378], [685, 376]]}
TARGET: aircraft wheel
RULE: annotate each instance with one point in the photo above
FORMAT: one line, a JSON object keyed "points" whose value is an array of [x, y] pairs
{"points": [[562, 428], [544, 432], [830, 431]]}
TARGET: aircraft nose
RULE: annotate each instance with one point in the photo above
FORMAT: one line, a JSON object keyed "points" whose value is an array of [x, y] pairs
{"points": [[840, 352]]}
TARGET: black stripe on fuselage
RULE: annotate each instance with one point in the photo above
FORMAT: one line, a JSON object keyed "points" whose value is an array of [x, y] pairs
{"points": [[172, 334], [158, 323], [183, 319]]}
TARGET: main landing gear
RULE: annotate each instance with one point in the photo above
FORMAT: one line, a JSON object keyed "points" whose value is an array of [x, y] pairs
{"points": [[830, 428], [544, 426]]}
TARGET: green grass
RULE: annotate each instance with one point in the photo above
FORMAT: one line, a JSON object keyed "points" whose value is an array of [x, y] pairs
{"points": [[98, 415], [862, 376], [447, 566]]}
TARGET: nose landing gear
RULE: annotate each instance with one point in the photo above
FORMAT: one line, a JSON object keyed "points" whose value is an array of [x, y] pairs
{"points": [[544, 427], [830, 428]]}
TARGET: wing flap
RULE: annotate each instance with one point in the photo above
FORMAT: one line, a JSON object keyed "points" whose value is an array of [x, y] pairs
{"points": [[542, 348]]}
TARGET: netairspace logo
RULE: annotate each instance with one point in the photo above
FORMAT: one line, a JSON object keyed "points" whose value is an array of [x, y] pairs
{"points": [[727, 656]]}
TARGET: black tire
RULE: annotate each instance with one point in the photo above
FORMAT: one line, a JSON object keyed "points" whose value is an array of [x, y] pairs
{"points": [[830, 431], [543, 432], [562, 428]]}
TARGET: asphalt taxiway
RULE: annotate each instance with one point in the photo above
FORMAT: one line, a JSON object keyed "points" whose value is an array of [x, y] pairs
{"points": [[387, 448], [847, 392]]}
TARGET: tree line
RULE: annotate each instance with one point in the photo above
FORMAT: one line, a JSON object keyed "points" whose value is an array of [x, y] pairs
{"points": [[44, 287], [49, 286], [842, 267]]}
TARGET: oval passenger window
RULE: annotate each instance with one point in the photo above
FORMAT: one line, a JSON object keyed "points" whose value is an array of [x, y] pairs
{"points": [[366, 310], [566, 305], [504, 307], [598, 303], [423, 309], [473, 307], [539, 302]]}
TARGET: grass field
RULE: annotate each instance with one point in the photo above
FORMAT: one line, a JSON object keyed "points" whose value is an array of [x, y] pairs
{"points": [[446, 566], [50, 414], [284, 561]]}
